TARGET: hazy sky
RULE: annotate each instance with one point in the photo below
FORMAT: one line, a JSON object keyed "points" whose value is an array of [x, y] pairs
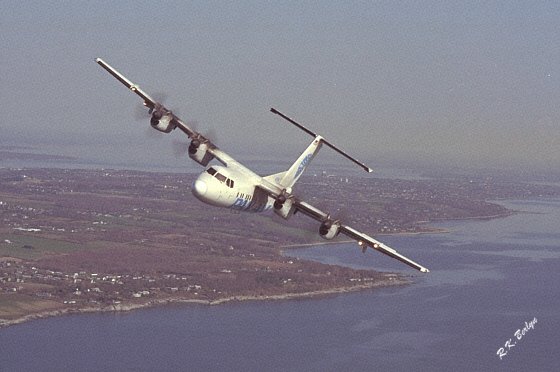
{"points": [[466, 83]]}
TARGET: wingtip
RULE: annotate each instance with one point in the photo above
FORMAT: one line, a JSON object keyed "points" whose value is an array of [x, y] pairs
{"points": [[424, 270]]}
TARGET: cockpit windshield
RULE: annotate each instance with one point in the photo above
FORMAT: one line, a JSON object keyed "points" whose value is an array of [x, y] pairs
{"points": [[220, 177]]}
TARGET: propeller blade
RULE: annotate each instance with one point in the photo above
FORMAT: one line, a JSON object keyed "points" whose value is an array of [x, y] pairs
{"points": [[211, 135], [180, 148]]}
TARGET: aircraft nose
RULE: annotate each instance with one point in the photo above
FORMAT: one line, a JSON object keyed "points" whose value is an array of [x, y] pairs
{"points": [[200, 188]]}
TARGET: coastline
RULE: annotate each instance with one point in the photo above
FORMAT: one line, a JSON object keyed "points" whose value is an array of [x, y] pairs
{"points": [[392, 280], [55, 308], [389, 281]]}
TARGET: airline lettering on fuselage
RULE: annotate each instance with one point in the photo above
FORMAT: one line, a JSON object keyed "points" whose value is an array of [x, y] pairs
{"points": [[240, 203], [258, 202]]}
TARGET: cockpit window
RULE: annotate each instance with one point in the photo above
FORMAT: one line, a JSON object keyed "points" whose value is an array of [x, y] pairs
{"points": [[220, 177]]}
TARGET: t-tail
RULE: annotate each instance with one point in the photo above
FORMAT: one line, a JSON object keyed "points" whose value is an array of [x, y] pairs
{"points": [[288, 178]]}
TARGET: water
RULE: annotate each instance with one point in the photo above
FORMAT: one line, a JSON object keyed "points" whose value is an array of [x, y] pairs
{"points": [[488, 278]]}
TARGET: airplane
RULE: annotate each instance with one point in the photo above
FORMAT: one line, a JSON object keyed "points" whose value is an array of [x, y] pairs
{"points": [[230, 184]]}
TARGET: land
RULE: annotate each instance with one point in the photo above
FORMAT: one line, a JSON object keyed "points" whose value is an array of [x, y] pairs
{"points": [[26, 153], [106, 240]]}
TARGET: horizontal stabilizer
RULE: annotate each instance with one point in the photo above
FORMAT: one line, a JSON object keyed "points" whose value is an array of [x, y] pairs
{"points": [[362, 165]]}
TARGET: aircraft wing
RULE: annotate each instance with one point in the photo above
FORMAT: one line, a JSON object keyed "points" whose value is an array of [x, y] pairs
{"points": [[158, 110], [363, 240], [149, 102]]}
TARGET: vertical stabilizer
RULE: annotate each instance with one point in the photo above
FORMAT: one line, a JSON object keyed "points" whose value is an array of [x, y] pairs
{"points": [[288, 178]]}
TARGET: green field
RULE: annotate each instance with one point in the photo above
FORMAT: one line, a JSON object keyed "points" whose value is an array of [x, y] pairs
{"points": [[32, 248], [16, 306]]}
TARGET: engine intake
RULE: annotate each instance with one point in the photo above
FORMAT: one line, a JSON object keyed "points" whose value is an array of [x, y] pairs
{"points": [[162, 121], [284, 207], [199, 152], [329, 229]]}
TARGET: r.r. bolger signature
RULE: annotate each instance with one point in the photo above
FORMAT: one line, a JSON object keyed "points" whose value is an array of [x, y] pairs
{"points": [[519, 334]]}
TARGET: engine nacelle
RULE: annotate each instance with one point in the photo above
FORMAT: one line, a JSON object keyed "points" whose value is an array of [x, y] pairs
{"points": [[199, 153], [329, 229], [163, 123], [284, 207]]}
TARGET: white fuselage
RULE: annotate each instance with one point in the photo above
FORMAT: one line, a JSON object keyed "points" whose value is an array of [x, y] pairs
{"points": [[235, 189]]}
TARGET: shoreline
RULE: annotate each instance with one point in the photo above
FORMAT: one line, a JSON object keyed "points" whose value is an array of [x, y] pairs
{"points": [[55, 308], [393, 280], [389, 281]]}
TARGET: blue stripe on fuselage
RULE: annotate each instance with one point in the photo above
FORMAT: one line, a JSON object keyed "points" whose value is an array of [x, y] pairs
{"points": [[246, 205]]}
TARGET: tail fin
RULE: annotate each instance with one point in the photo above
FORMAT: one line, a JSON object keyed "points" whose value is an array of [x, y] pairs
{"points": [[288, 178]]}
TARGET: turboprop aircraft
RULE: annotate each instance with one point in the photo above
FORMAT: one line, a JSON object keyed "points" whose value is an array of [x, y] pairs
{"points": [[230, 184]]}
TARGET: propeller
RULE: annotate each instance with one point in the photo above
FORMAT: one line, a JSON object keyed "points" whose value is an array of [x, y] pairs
{"points": [[180, 148], [141, 112], [211, 135]]}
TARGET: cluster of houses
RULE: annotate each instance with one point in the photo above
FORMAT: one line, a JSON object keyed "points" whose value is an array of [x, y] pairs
{"points": [[78, 287]]}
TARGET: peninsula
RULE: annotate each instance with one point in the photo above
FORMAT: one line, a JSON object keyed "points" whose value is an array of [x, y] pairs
{"points": [[104, 240]]}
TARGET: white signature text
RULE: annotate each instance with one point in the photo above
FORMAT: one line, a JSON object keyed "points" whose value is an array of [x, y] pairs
{"points": [[519, 334]]}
